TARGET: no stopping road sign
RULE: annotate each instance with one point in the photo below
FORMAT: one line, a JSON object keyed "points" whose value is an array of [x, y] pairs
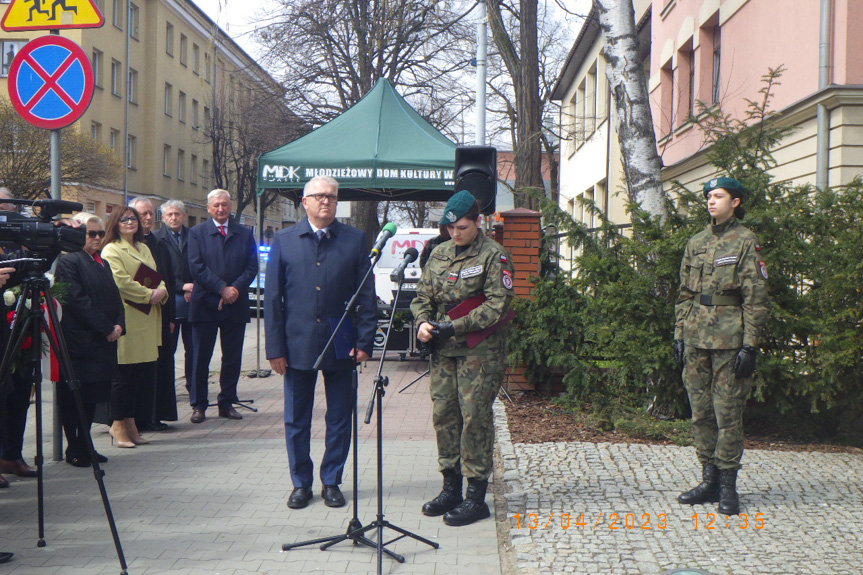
{"points": [[50, 82]]}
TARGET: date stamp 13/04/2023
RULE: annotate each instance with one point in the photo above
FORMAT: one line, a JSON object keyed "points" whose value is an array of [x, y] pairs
{"points": [[630, 521]]}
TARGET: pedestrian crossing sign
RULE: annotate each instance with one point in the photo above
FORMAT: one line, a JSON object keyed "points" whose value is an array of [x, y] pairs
{"points": [[51, 15]]}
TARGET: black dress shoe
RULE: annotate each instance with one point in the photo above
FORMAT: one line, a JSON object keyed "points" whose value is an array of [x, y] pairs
{"points": [[154, 426], [332, 496], [77, 460], [300, 497], [5, 557], [198, 416], [101, 458], [17, 466], [229, 413]]}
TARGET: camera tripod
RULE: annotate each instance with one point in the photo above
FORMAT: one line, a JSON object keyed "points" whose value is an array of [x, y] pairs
{"points": [[33, 288]]}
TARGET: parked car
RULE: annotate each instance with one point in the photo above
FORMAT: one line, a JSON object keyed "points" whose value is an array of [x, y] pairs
{"points": [[256, 289]]}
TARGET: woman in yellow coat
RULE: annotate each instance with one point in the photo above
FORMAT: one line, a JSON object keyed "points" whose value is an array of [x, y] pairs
{"points": [[125, 251]]}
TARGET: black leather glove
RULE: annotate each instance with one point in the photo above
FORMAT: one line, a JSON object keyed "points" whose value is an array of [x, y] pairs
{"points": [[744, 363], [442, 330], [678, 354]]}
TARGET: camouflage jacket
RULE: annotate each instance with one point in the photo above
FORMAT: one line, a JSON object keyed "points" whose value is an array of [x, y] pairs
{"points": [[484, 267], [722, 265]]}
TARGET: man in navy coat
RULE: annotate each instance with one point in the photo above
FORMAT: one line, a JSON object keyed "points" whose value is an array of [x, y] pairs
{"points": [[223, 260], [313, 270]]}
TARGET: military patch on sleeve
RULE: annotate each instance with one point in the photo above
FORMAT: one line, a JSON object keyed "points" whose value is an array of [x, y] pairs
{"points": [[503, 258], [452, 278], [471, 272], [763, 268], [757, 247], [507, 279], [725, 261]]}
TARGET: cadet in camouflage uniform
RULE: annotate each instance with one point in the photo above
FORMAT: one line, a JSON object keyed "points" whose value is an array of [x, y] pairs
{"points": [[719, 315], [464, 381]]}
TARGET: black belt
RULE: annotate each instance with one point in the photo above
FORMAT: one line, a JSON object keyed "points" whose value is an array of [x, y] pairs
{"points": [[707, 299]]}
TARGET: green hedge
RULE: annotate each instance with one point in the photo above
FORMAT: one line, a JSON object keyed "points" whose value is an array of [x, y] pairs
{"points": [[609, 328]]}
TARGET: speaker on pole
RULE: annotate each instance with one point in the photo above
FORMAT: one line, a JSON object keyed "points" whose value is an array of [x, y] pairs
{"points": [[476, 172]]}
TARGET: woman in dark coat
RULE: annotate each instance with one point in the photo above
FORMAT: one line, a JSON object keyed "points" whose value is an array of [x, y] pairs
{"points": [[93, 321]]}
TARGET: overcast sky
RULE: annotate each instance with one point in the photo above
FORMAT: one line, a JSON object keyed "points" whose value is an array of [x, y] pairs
{"points": [[237, 17]]}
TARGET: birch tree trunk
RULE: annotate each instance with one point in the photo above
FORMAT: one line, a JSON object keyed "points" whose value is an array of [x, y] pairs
{"points": [[625, 73]]}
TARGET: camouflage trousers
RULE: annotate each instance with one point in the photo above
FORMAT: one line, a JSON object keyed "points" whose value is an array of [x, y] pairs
{"points": [[462, 392], [717, 398]]}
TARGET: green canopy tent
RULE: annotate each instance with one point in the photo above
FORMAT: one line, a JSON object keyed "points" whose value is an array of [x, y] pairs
{"points": [[378, 149]]}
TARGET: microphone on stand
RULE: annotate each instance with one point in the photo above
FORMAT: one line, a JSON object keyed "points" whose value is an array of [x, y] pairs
{"points": [[411, 254], [388, 231]]}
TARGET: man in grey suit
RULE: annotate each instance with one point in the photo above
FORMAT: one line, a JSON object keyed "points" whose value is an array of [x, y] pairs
{"points": [[174, 235], [223, 259], [313, 270]]}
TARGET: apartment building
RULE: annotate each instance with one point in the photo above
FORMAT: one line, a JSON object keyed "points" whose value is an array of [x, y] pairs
{"points": [[590, 164], [717, 52], [161, 69]]}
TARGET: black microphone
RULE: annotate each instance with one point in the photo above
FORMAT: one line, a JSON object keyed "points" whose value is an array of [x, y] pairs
{"points": [[387, 232], [411, 254]]}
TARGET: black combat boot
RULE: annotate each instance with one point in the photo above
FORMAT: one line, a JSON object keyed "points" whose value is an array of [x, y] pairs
{"points": [[449, 497], [473, 508], [729, 503], [705, 492]]}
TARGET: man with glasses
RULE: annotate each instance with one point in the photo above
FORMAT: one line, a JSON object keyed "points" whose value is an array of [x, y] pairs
{"points": [[315, 267], [223, 259]]}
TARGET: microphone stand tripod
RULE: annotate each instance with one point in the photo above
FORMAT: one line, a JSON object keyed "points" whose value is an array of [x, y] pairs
{"points": [[32, 288], [379, 523]]}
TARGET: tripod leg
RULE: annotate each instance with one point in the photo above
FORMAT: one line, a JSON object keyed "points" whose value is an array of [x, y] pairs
{"points": [[61, 351]]}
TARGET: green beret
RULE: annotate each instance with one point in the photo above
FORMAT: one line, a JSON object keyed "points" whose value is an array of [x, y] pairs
{"points": [[730, 185], [457, 207]]}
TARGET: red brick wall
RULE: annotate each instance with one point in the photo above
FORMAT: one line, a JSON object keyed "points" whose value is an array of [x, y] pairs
{"points": [[522, 237]]}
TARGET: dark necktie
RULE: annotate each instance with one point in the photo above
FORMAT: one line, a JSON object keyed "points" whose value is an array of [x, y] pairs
{"points": [[320, 235], [177, 237]]}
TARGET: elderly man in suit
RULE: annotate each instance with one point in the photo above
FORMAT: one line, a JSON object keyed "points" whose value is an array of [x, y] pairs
{"points": [[174, 235], [159, 402], [223, 259], [314, 268]]}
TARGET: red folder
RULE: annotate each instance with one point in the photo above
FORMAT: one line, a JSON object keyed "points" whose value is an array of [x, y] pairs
{"points": [[149, 278], [474, 337]]}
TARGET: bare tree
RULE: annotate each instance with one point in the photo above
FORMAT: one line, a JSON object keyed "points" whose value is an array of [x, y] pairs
{"points": [[625, 73], [333, 51], [242, 127], [25, 166], [531, 44]]}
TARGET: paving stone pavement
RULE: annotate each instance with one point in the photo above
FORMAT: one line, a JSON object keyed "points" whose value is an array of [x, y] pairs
{"points": [[210, 498], [804, 511]]}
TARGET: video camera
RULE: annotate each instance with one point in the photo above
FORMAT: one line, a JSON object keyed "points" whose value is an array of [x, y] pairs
{"points": [[43, 239]]}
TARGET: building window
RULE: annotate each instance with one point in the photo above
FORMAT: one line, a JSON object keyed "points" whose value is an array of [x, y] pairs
{"points": [[169, 98], [205, 174], [194, 114], [133, 21], [90, 207], [169, 39], [181, 107], [590, 102], [183, 43], [166, 161], [580, 112], [181, 165], [666, 102], [96, 131], [206, 118], [116, 74], [10, 48], [131, 152], [195, 58], [691, 108], [115, 136], [133, 86], [717, 53], [97, 59], [206, 67], [117, 9], [193, 170]]}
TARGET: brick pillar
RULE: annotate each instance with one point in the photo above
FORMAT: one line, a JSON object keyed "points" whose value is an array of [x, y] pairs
{"points": [[522, 238]]}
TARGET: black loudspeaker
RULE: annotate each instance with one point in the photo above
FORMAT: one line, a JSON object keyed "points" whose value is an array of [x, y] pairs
{"points": [[476, 172]]}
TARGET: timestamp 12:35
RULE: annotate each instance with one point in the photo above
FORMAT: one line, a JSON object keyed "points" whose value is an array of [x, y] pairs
{"points": [[742, 521]]}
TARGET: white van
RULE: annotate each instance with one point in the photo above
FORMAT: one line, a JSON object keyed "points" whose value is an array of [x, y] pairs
{"points": [[393, 254]]}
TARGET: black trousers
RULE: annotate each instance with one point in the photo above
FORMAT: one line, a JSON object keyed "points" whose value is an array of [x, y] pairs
{"points": [[135, 380], [13, 415]]}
